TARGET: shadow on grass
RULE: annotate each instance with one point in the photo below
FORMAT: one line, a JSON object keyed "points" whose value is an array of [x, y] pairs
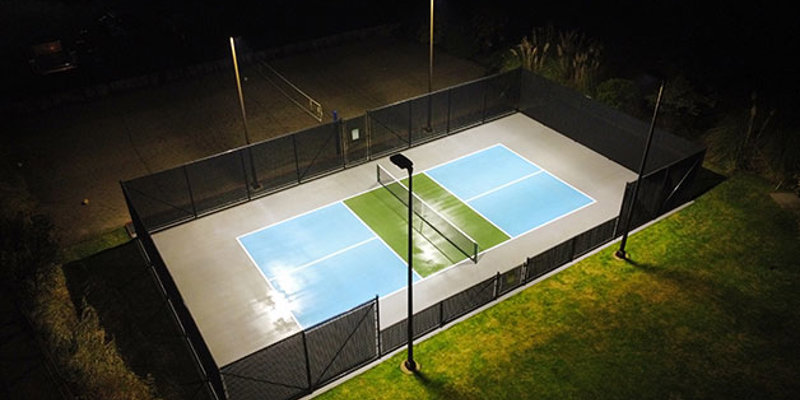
{"points": [[704, 181], [759, 312], [118, 284], [439, 388], [684, 279]]}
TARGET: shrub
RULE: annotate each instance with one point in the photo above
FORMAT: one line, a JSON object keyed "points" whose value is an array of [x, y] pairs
{"points": [[682, 106], [621, 94], [84, 355], [568, 57], [757, 141], [87, 358]]}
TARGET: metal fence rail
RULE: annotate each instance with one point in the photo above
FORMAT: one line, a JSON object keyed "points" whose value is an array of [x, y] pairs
{"points": [[205, 186], [306, 361], [316, 356]]}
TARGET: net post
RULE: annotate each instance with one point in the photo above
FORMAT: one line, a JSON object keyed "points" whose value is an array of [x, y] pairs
{"points": [[470, 249]]}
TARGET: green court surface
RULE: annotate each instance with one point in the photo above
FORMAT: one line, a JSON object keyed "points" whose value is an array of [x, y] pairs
{"points": [[388, 217]]}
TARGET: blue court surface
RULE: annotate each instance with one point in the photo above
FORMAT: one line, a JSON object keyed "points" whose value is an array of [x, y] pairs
{"points": [[325, 262], [328, 261], [508, 190]]}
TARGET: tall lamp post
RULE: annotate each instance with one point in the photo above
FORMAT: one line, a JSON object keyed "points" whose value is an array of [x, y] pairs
{"points": [[255, 183], [621, 254], [430, 71], [403, 162]]}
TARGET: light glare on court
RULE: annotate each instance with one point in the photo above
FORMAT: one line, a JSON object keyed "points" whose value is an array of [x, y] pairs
{"points": [[286, 280]]}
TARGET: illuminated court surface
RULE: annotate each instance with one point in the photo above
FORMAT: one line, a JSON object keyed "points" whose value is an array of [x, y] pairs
{"points": [[259, 272], [330, 260]]}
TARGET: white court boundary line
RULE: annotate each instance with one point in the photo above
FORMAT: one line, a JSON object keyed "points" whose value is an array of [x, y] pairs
{"points": [[511, 293], [435, 211], [548, 172], [511, 237], [503, 186], [326, 257], [382, 241], [540, 170], [593, 201], [269, 281], [471, 208], [377, 186], [269, 284]]}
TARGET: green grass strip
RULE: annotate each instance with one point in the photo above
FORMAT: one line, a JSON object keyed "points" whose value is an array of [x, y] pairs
{"points": [[95, 244], [707, 308]]}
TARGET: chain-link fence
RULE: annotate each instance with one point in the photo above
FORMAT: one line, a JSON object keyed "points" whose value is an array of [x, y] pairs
{"points": [[616, 135], [180, 194], [306, 361], [302, 363]]}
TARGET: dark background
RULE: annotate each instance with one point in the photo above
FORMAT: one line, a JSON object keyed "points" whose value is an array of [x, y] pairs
{"points": [[731, 48]]}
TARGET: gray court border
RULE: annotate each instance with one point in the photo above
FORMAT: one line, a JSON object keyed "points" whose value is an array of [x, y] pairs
{"points": [[237, 313]]}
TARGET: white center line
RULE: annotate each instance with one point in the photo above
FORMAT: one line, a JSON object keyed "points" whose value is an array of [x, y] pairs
{"points": [[505, 185], [331, 255]]}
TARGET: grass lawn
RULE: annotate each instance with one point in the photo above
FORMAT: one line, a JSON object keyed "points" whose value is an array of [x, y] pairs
{"points": [[95, 244], [388, 218], [708, 307]]}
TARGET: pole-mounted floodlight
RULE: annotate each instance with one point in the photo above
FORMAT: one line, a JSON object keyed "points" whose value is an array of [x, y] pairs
{"points": [[255, 183], [621, 252], [403, 162], [430, 72]]}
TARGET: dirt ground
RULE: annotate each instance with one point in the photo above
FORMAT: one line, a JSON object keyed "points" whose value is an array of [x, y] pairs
{"points": [[83, 151]]}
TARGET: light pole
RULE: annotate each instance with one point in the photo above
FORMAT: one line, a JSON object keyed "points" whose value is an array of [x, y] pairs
{"points": [[403, 162], [430, 71], [430, 54], [621, 254], [255, 183]]}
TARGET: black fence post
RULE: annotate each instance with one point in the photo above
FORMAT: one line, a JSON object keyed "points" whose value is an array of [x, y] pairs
{"points": [[378, 323], [496, 286], [368, 134], [296, 159], [308, 363], [621, 253], [483, 108], [449, 106], [244, 174], [189, 188], [571, 250], [528, 277], [410, 125]]}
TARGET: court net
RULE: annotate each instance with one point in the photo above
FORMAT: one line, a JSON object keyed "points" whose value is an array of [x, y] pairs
{"points": [[429, 217], [288, 89]]}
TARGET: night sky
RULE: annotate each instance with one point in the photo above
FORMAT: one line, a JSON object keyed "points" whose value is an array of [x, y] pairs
{"points": [[733, 47]]}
